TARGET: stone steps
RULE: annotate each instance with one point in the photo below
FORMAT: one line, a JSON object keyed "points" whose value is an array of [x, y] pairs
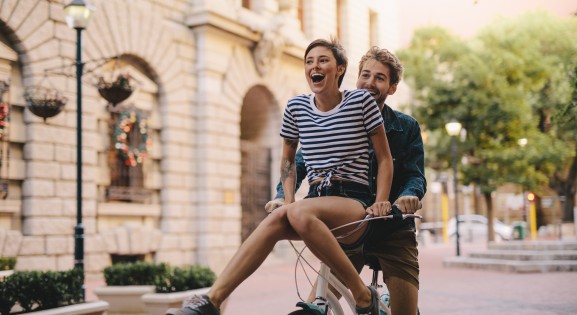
{"points": [[521, 257], [526, 255], [534, 245], [510, 265]]}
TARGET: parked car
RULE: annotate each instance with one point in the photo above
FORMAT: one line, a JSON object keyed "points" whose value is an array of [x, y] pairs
{"points": [[473, 228]]}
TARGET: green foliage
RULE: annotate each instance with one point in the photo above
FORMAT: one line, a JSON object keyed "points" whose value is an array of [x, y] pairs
{"points": [[7, 263], [7, 296], [139, 273], [39, 290], [565, 120], [516, 79], [185, 278], [163, 277]]}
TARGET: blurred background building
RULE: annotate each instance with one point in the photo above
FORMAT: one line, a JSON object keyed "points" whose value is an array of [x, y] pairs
{"points": [[182, 109], [180, 170]]}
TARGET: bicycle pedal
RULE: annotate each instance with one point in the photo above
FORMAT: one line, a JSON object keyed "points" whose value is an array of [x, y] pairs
{"points": [[311, 307]]}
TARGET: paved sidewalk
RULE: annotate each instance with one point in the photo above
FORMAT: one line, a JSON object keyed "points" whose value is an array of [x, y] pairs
{"points": [[446, 291], [443, 291], [470, 291]]}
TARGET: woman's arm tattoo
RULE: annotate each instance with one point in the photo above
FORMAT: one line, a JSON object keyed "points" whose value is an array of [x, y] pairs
{"points": [[287, 169]]}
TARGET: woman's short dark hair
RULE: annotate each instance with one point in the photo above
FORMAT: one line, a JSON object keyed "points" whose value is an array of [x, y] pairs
{"points": [[338, 52]]}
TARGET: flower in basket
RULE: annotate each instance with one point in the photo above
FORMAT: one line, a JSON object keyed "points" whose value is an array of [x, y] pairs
{"points": [[116, 91], [44, 102]]}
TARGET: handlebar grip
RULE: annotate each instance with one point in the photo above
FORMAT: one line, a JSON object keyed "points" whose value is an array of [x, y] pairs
{"points": [[397, 214]]}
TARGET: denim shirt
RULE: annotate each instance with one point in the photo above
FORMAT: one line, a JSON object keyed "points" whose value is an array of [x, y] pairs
{"points": [[406, 145]]}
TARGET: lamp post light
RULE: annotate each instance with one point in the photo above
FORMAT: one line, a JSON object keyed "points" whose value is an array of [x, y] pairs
{"points": [[522, 142], [453, 128], [78, 14]]}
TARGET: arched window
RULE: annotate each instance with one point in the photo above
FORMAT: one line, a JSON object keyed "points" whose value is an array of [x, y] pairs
{"points": [[132, 131]]}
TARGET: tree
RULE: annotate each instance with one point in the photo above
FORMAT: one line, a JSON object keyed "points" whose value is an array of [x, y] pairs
{"points": [[564, 179], [495, 85], [546, 46]]}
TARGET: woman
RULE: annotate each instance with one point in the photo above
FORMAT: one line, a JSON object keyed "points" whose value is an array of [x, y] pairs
{"points": [[334, 128]]}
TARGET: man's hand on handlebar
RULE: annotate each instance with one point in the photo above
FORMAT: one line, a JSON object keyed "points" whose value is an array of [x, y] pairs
{"points": [[273, 204], [408, 204], [379, 209]]}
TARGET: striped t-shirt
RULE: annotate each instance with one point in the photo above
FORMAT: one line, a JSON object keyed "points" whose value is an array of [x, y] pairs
{"points": [[334, 143]]}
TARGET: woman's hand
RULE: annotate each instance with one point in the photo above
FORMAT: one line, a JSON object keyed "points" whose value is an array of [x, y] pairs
{"points": [[273, 205], [379, 209]]}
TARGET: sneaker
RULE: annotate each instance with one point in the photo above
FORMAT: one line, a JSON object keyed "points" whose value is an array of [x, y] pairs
{"points": [[372, 309], [195, 305], [386, 299]]}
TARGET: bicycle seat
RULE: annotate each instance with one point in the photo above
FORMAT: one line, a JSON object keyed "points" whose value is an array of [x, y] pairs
{"points": [[373, 263]]}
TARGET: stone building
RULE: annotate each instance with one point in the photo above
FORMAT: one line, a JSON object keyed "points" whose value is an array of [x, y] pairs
{"points": [[180, 170]]}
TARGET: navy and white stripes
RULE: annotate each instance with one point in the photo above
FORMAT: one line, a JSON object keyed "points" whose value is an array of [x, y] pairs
{"points": [[334, 143]]}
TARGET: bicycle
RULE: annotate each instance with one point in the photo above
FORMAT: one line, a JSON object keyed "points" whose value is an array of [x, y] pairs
{"points": [[326, 302]]}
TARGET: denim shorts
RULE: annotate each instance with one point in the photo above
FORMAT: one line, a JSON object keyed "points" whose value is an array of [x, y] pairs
{"points": [[340, 188]]}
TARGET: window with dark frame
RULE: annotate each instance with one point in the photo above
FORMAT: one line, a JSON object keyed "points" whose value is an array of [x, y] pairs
{"points": [[340, 20], [126, 181], [373, 28], [300, 14]]}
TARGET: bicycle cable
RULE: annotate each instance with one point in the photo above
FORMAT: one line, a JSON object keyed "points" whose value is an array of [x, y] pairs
{"points": [[360, 223]]}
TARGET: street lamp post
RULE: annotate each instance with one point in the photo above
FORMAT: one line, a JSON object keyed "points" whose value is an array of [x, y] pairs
{"points": [[453, 129], [78, 14], [522, 143]]}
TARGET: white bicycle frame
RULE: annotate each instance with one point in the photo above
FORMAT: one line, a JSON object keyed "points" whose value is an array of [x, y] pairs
{"points": [[325, 277], [324, 295]]}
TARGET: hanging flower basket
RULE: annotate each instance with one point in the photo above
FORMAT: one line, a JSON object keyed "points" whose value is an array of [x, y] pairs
{"points": [[44, 102], [128, 120], [117, 91]]}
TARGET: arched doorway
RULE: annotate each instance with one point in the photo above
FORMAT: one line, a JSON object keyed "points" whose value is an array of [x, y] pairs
{"points": [[259, 133]]}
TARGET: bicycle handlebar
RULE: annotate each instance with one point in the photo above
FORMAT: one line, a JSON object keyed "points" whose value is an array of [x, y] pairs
{"points": [[400, 216], [396, 214]]}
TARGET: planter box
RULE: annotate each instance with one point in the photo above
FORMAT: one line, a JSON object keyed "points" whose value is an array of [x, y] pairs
{"points": [[5, 273], [88, 308], [124, 299], [158, 303]]}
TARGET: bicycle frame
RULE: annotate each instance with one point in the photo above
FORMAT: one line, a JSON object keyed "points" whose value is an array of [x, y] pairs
{"points": [[324, 295], [326, 299]]}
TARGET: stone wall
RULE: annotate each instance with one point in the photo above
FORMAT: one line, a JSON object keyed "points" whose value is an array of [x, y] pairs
{"points": [[195, 64]]}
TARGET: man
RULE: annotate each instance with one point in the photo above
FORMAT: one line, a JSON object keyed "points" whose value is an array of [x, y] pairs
{"points": [[311, 219], [393, 243]]}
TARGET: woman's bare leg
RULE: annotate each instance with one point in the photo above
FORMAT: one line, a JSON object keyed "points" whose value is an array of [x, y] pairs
{"points": [[313, 218], [251, 254]]}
